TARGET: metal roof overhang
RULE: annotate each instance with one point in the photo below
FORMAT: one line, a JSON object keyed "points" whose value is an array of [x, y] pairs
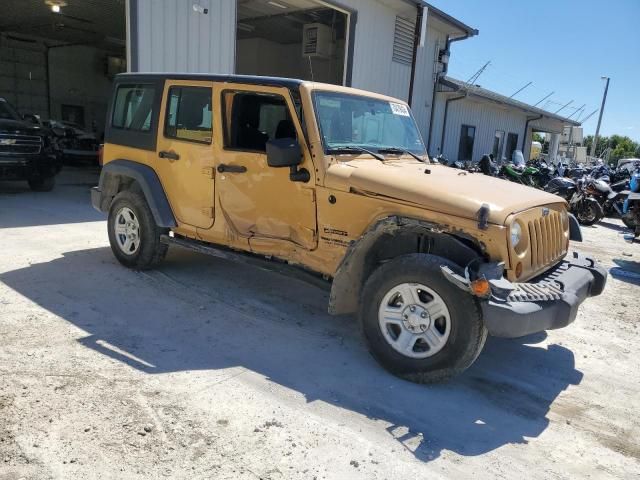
{"points": [[445, 17]]}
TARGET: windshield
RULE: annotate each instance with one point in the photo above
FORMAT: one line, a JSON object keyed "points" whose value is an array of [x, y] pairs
{"points": [[7, 112], [356, 121]]}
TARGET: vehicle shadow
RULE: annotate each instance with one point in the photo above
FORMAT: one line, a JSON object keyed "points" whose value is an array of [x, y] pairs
{"points": [[613, 226], [626, 271], [21, 207], [202, 313]]}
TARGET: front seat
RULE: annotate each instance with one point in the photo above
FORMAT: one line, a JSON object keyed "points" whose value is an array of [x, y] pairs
{"points": [[286, 129]]}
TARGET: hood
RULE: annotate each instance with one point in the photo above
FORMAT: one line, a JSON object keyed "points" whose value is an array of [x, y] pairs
{"points": [[444, 189], [19, 127]]}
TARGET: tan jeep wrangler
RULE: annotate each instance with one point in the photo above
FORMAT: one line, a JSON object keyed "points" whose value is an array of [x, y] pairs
{"points": [[335, 183]]}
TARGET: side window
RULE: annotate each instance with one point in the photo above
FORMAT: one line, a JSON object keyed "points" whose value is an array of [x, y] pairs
{"points": [[133, 107], [188, 114], [467, 137], [253, 119]]}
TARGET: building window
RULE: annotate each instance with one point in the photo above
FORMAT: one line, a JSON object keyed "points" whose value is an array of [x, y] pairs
{"points": [[498, 143], [467, 137], [188, 115], [133, 107], [512, 145], [403, 41], [254, 119]]}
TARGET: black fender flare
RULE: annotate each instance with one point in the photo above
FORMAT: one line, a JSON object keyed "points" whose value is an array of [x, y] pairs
{"points": [[358, 261], [115, 172]]}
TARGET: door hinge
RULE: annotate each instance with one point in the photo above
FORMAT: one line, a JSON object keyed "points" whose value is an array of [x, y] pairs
{"points": [[208, 172], [208, 212]]}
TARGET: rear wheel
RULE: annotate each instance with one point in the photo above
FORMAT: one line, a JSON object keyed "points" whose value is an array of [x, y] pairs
{"points": [[133, 233], [42, 184], [416, 323]]}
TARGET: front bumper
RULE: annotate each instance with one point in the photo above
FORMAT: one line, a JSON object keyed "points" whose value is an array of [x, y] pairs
{"points": [[547, 302], [29, 166]]}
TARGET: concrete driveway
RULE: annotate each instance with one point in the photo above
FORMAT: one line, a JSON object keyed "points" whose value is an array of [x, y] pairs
{"points": [[208, 369]]}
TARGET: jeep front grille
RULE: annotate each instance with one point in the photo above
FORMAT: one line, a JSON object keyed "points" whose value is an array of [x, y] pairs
{"points": [[546, 240], [14, 144]]}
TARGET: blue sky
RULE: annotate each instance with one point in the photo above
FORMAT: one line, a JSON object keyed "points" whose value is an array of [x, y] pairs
{"points": [[563, 46]]}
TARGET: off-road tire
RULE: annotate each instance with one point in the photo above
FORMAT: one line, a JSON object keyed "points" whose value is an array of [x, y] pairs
{"points": [[42, 184], [151, 251], [468, 333]]}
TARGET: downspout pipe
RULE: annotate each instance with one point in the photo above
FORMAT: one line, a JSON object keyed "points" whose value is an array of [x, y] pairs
{"points": [[444, 120], [417, 35], [435, 88], [526, 130]]}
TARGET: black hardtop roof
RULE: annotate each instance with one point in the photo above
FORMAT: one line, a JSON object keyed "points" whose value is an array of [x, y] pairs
{"points": [[212, 77]]}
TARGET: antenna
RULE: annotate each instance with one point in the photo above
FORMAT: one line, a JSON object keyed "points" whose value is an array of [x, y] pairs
{"points": [[475, 76], [517, 92], [544, 99], [577, 110], [588, 116], [564, 106]]}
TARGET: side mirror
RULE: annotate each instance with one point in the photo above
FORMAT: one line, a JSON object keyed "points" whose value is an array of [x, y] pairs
{"points": [[286, 152], [283, 152]]}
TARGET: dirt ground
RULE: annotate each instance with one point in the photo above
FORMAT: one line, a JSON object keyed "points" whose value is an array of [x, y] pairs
{"points": [[208, 369]]}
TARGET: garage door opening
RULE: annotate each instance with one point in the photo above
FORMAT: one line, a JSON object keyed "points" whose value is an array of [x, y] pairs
{"points": [[58, 59], [304, 39]]}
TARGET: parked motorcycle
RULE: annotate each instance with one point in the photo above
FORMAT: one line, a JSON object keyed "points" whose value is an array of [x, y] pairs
{"points": [[526, 175], [631, 207], [586, 208], [611, 201]]}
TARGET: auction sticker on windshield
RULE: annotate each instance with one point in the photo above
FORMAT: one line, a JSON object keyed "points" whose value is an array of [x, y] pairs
{"points": [[399, 109]]}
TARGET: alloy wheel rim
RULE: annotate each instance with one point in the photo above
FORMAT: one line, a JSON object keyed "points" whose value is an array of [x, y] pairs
{"points": [[127, 231], [414, 320]]}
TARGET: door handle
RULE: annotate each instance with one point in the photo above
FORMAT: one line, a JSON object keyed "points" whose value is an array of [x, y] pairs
{"points": [[222, 168], [170, 155]]}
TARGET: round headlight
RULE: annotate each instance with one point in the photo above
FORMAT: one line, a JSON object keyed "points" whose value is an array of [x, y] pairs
{"points": [[516, 234]]}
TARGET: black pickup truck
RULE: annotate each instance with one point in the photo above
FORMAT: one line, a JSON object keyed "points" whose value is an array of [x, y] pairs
{"points": [[27, 151]]}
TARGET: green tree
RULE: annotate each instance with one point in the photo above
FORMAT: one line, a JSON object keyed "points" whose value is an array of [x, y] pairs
{"points": [[538, 138]]}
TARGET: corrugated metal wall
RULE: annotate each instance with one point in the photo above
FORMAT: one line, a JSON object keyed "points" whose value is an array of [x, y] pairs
{"points": [[172, 37], [23, 75], [487, 117], [484, 116], [373, 67]]}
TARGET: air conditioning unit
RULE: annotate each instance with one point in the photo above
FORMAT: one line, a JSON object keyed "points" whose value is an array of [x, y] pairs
{"points": [[317, 40]]}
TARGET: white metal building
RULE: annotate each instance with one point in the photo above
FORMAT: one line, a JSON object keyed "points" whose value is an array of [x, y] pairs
{"points": [[394, 47], [471, 121]]}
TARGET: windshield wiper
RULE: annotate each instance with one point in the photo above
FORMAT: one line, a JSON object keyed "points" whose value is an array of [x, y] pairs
{"points": [[353, 148], [400, 150]]}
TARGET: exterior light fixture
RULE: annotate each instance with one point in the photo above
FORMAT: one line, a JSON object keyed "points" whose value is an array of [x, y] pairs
{"points": [[55, 5]]}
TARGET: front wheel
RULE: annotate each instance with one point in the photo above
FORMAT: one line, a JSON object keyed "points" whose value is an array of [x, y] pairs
{"points": [[416, 323], [42, 184], [589, 212]]}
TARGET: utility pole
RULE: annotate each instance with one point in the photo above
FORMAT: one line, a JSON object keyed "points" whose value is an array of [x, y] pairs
{"points": [[604, 99]]}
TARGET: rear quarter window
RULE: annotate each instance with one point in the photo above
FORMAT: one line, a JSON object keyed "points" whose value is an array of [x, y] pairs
{"points": [[133, 107]]}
